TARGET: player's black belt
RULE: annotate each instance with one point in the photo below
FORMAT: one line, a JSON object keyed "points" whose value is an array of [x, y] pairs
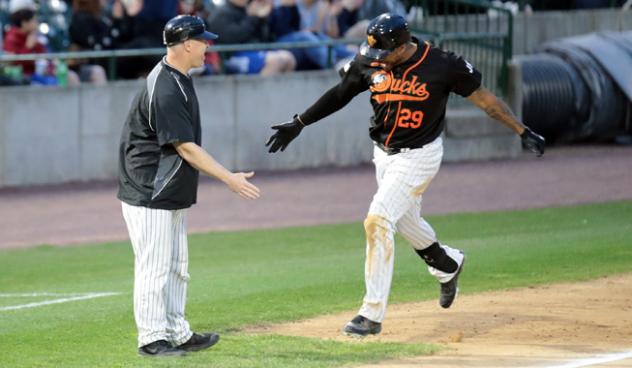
{"points": [[393, 150]]}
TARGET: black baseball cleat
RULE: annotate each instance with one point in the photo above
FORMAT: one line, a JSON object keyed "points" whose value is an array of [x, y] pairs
{"points": [[450, 289], [360, 326], [160, 348], [200, 342]]}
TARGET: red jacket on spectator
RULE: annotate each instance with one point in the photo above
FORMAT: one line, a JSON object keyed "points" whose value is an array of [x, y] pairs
{"points": [[15, 43]]}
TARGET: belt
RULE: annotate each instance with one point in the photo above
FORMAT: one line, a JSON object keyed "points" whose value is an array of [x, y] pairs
{"points": [[393, 151]]}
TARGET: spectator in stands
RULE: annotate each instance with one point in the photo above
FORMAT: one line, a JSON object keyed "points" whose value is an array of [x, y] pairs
{"points": [[317, 16], [330, 17], [199, 8], [369, 9], [286, 22], [372, 8], [244, 21], [342, 18], [23, 38], [92, 29], [348, 16], [148, 19]]}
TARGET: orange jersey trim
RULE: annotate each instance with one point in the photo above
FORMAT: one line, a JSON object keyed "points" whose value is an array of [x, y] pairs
{"points": [[397, 97]]}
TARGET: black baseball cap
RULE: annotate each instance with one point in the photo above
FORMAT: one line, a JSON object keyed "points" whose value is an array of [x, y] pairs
{"points": [[185, 27], [384, 34]]}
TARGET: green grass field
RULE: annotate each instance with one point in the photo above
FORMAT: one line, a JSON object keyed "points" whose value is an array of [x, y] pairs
{"points": [[255, 277]]}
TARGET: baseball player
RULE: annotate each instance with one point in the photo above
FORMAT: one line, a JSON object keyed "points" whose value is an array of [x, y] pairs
{"points": [[409, 82], [160, 157]]}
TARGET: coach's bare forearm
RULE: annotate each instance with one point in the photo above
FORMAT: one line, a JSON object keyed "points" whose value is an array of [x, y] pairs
{"points": [[496, 109], [202, 161], [197, 157]]}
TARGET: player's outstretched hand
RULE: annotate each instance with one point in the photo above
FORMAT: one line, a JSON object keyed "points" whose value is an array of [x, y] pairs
{"points": [[285, 133], [238, 183], [532, 141]]}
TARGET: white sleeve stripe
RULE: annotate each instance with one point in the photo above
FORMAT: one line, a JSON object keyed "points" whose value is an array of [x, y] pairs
{"points": [[181, 89], [151, 88], [168, 180]]}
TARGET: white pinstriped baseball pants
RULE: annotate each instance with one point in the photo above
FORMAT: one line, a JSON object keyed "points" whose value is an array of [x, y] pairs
{"points": [[161, 258], [402, 178]]}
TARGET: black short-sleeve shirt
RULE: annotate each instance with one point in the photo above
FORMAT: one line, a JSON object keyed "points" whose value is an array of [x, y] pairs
{"points": [[165, 111]]}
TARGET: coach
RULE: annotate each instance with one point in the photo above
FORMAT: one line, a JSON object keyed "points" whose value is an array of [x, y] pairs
{"points": [[160, 157]]}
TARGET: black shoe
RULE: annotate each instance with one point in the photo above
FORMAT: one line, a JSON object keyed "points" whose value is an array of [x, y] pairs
{"points": [[450, 289], [200, 342], [360, 327], [160, 348]]}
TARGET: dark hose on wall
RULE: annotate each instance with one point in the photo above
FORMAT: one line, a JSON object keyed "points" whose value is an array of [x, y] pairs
{"points": [[569, 96]]}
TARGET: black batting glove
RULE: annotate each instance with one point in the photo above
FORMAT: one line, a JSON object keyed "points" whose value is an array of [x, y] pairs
{"points": [[532, 141], [285, 133]]}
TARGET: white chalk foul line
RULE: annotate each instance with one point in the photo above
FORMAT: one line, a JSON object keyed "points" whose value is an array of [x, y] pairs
{"points": [[23, 295], [55, 301], [596, 360]]}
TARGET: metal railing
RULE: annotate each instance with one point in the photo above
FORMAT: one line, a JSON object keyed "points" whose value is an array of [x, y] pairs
{"points": [[223, 50], [477, 30], [552, 4]]}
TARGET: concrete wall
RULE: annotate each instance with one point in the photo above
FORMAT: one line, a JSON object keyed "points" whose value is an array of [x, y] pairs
{"points": [[530, 31], [238, 112], [471, 135], [50, 135]]}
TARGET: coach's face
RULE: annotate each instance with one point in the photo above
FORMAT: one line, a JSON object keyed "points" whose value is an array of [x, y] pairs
{"points": [[196, 49]]}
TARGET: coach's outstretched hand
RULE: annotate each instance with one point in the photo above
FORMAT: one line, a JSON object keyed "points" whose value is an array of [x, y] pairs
{"points": [[285, 133], [532, 141], [238, 183]]}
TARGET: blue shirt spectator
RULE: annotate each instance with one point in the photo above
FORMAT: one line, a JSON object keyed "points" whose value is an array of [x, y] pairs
{"points": [[285, 23], [244, 21]]}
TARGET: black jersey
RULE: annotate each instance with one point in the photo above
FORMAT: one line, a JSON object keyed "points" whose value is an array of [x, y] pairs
{"points": [[165, 111], [409, 101]]}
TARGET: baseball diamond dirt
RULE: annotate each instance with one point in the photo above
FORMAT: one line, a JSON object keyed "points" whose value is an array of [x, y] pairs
{"points": [[569, 325], [554, 326]]}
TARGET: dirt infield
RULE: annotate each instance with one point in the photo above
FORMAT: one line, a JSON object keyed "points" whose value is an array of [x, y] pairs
{"points": [[531, 327], [90, 212]]}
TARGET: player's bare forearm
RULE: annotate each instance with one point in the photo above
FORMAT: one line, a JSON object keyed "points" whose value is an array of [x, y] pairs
{"points": [[496, 109], [202, 161]]}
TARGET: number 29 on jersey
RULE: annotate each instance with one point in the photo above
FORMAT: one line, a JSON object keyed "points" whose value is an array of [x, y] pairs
{"points": [[410, 119]]}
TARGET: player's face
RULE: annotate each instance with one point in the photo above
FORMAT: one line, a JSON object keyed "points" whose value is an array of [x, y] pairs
{"points": [[399, 55], [394, 57]]}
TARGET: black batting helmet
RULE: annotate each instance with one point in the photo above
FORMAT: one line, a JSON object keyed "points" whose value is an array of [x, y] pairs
{"points": [[384, 34], [185, 27]]}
